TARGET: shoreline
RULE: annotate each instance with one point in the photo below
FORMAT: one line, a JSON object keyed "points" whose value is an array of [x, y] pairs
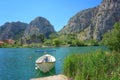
{"points": [[54, 77]]}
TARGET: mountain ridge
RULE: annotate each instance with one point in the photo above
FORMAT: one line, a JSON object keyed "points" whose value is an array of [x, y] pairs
{"points": [[92, 23], [12, 30], [18, 30]]}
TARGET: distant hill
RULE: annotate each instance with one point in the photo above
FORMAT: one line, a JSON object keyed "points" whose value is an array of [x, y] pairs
{"points": [[13, 30], [94, 22], [35, 31], [38, 26]]}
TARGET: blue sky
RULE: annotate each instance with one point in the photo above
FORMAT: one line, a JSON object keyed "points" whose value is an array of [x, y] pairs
{"points": [[58, 12]]}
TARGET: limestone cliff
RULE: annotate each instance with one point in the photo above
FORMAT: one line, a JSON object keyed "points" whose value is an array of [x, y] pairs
{"points": [[39, 25], [94, 22], [12, 30], [37, 30]]}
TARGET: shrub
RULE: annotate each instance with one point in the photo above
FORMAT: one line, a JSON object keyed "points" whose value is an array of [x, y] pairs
{"points": [[112, 39]]}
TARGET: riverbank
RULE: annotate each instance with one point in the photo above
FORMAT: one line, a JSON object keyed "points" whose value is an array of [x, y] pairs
{"points": [[99, 65], [55, 77]]}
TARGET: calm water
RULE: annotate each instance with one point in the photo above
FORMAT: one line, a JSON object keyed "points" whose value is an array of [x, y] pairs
{"points": [[19, 63]]}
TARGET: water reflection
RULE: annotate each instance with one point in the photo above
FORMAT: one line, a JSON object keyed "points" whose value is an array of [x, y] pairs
{"points": [[41, 74]]}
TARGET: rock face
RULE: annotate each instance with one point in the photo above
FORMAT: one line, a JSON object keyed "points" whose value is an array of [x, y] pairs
{"points": [[38, 26], [37, 30], [27, 33], [34, 32], [94, 22], [13, 30], [80, 21]]}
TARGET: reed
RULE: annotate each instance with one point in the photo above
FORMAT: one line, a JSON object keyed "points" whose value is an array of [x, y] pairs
{"points": [[93, 66]]}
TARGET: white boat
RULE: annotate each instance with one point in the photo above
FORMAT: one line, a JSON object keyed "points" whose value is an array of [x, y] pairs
{"points": [[45, 63]]}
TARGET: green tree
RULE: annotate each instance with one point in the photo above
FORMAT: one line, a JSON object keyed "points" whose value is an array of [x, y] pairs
{"points": [[112, 39], [53, 35], [48, 42], [41, 37], [56, 42]]}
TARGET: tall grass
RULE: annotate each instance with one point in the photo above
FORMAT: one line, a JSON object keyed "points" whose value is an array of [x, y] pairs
{"points": [[93, 66]]}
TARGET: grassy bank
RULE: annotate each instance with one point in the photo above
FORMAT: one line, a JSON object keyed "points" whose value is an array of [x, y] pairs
{"points": [[93, 66]]}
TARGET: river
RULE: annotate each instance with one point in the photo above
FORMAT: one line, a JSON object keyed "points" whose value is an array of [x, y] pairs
{"points": [[19, 63]]}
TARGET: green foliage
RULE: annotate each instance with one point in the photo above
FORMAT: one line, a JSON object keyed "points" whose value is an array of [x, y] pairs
{"points": [[71, 40], [32, 45], [48, 42], [56, 42], [41, 37], [77, 42], [54, 39], [36, 38], [9, 45], [112, 39], [91, 42], [53, 35], [93, 66]]}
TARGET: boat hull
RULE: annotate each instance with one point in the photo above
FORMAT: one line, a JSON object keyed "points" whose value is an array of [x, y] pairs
{"points": [[45, 66]]}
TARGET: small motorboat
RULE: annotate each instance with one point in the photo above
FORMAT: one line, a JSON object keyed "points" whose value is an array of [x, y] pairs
{"points": [[45, 63]]}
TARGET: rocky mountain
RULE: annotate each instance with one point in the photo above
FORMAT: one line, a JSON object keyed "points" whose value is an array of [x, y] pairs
{"points": [[33, 32], [13, 30], [94, 22], [38, 26], [37, 30]]}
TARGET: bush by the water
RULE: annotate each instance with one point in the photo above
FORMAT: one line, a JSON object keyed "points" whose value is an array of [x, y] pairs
{"points": [[93, 66], [112, 38]]}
